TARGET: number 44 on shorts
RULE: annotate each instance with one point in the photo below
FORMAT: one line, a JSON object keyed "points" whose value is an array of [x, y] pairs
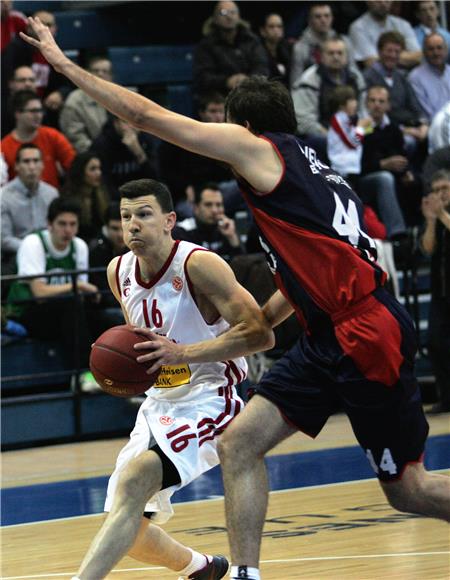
{"points": [[386, 463]]}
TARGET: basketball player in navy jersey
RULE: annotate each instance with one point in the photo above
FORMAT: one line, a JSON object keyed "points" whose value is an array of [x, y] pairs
{"points": [[357, 350]]}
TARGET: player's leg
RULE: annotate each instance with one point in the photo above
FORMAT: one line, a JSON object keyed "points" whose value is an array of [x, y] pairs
{"points": [[420, 492], [241, 450], [140, 479]]}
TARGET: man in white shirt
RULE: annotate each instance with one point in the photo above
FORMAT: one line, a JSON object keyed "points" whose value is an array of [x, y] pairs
{"points": [[365, 31]]}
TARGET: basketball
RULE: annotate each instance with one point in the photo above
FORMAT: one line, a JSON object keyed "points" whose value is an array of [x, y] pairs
{"points": [[114, 366]]}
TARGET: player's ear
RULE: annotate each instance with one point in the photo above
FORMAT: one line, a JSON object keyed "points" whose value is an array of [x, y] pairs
{"points": [[171, 219]]}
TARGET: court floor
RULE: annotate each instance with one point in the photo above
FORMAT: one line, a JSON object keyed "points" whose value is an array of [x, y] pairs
{"points": [[327, 516]]}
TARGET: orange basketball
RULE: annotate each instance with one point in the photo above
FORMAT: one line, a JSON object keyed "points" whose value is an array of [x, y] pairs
{"points": [[114, 366]]}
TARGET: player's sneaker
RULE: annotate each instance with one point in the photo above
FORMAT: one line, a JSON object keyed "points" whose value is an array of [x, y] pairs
{"points": [[214, 570]]}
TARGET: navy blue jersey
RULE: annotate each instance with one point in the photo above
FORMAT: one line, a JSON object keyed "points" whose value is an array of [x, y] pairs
{"points": [[312, 230]]}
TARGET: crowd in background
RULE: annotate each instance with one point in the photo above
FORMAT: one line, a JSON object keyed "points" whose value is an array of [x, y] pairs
{"points": [[374, 103]]}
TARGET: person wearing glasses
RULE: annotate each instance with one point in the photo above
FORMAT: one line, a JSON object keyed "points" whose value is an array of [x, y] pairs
{"points": [[228, 53], [28, 128]]}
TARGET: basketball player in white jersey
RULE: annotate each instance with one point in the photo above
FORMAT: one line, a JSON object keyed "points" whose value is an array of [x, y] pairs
{"points": [[186, 300]]}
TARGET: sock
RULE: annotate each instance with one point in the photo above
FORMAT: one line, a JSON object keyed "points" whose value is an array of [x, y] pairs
{"points": [[198, 562], [245, 572]]}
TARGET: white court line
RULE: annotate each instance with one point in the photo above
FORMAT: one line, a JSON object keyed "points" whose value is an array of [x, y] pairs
{"points": [[215, 498], [281, 561]]}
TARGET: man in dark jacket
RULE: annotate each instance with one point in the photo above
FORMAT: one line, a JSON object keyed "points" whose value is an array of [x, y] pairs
{"points": [[229, 53]]}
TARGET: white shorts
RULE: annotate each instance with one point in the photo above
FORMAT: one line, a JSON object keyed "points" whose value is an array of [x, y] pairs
{"points": [[186, 432]]}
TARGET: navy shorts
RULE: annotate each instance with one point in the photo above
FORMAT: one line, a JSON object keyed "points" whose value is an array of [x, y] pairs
{"points": [[369, 374]]}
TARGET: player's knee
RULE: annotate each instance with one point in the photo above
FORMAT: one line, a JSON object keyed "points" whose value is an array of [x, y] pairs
{"points": [[136, 481], [404, 499], [228, 446]]}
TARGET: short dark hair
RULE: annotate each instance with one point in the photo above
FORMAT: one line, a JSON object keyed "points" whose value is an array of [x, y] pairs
{"points": [[440, 175], [391, 37], [26, 146], [265, 104], [142, 187], [199, 189], [22, 98], [112, 212], [340, 95], [62, 205]]}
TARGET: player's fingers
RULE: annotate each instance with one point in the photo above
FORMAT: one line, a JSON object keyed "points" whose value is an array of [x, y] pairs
{"points": [[145, 332], [29, 39]]}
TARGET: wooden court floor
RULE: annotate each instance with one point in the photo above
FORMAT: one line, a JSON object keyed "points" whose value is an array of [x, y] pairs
{"points": [[339, 531]]}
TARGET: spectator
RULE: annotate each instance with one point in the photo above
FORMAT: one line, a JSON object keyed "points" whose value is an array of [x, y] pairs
{"points": [[51, 86], [210, 227], [312, 94], [228, 54], [431, 80], [12, 22], [405, 109], [84, 183], [345, 135], [82, 118], [23, 79], [24, 203], [277, 48], [306, 51], [427, 14], [383, 163], [54, 249], [125, 153], [101, 251], [440, 159], [366, 30], [435, 242], [193, 169], [439, 134], [56, 150]]}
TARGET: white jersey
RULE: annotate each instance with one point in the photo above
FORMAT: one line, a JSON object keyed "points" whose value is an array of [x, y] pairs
{"points": [[166, 305]]}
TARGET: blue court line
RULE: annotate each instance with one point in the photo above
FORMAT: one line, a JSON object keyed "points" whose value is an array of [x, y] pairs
{"points": [[86, 496]]}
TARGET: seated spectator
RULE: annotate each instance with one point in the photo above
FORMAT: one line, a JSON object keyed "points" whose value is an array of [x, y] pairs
{"points": [[125, 153], [405, 109], [306, 51], [440, 159], [383, 164], [210, 227], [439, 134], [22, 79], [427, 14], [312, 93], [435, 242], [84, 183], [228, 54], [24, 203], [51, 86], [277, 48], [366, 30], [82, 118], [345, 135], [54, 249], [107, 246], [193, 169], [431, 80], [56, 150]]}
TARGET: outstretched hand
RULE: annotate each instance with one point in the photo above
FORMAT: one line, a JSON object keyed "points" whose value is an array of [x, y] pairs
{"points": [[45, 42], [162, 350]]}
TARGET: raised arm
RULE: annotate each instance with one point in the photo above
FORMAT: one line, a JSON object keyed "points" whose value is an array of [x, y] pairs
{"points": [[251, 157]]}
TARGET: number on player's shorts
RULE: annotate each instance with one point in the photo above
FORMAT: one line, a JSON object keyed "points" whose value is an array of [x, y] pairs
{"points": [[386, 464], [346, 223], [180, 443]]}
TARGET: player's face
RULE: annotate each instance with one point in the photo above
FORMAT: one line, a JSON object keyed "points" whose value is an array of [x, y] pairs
{"points": [[63, 229], [144, 223]]}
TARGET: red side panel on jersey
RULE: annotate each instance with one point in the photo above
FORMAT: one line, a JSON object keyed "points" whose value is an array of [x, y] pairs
{"points": [[372, 338], [345, 279]]}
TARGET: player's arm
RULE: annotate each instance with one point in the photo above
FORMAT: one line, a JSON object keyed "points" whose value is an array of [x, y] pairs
{"points": [[250, 156], [112, 281], [277, 309], [249, 331]]}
